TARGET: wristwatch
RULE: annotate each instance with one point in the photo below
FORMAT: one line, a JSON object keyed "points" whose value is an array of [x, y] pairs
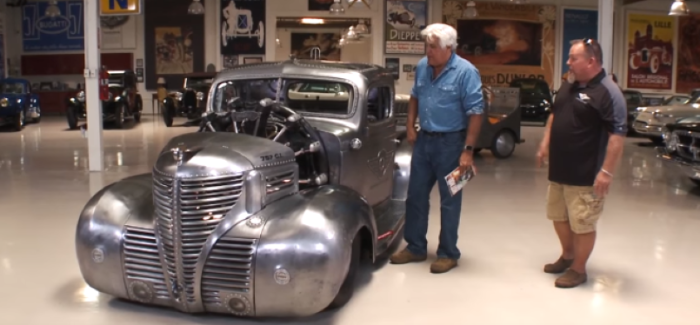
{"points": [[468, 148]]}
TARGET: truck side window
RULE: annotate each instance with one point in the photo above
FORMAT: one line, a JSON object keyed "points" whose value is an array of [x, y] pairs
{"points": [[378, 104]]}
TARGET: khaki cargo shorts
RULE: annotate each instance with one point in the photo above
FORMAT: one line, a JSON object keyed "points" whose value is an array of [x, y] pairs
{"points": [[576, 204]]}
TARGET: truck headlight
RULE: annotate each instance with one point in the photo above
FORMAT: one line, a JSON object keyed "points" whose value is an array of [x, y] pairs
{"points": [[670, 139]]}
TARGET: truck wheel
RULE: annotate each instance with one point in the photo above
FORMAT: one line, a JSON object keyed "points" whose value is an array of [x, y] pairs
{"points": [[19, 121], [72, 118], [348, 287], [119, 113], [168, 113], [503, 144]]}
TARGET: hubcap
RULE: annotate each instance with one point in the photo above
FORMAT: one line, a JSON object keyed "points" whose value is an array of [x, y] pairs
{"points": [[505, 143]]}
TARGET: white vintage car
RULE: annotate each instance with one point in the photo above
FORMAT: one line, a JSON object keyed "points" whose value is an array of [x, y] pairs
{"points": [[651, 120]]}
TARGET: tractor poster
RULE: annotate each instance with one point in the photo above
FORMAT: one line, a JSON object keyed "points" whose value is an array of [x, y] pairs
{"points": [[688, 65], [650, 47], [242, 27]]}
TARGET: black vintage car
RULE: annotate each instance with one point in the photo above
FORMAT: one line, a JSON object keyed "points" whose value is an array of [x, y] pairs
{"points": [[124, 101], [191, 101], [682, 146], [535, 99]]}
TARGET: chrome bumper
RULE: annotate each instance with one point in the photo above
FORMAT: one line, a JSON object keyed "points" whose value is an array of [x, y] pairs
{"points": [[646, 129], [690, 169]]}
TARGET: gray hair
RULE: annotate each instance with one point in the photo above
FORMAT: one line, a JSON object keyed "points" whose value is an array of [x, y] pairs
{"points": [[445, 33]]}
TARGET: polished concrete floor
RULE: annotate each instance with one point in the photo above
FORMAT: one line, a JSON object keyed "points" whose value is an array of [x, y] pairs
{"points": [[643, 271]]}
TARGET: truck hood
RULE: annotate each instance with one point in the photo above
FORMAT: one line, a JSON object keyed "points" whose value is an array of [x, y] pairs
{"points": [[216, 154]]}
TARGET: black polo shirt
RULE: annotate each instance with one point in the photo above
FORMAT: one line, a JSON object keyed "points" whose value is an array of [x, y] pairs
{"points": [[584, 118]]}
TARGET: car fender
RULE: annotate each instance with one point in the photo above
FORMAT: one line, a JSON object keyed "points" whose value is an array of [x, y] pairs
{"points": [[402, 168], [304, 250], [100, 230]]}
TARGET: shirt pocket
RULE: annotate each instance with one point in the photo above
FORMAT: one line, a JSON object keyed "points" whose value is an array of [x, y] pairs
{"points": [[448, 94]]}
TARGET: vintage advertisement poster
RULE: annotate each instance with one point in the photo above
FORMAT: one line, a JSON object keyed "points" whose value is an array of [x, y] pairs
{"points": [[173, 51], [242, 27], [650, 51], [327, 46], [578, 24], [688, 65], [506, 41], [404, 22]]}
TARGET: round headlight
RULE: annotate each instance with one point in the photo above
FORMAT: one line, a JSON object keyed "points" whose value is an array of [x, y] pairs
{"points": [[81, 96], [3, 102], [671, 140]]}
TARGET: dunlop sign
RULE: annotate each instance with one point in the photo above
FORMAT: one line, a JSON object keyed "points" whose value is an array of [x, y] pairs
{"points": [[120, 7]]}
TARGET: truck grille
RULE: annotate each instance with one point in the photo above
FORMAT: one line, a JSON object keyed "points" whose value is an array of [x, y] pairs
{"points": [[688, 144], [141, 259], [187, 212], [228, 269], [400, 108]]}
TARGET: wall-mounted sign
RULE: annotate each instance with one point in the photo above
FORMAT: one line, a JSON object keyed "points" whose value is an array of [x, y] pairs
{"points": [[404, 22], [242, 27], [120, 7], [41, 33]]}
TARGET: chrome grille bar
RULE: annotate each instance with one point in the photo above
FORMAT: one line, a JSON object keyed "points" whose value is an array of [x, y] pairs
{"points": [[141, 259], [688, 144], [228, 268]]}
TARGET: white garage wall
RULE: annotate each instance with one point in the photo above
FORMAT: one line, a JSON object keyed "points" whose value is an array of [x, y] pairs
{"points": [[297, 8]]}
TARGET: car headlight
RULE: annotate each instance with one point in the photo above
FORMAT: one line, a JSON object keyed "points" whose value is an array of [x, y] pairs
{"points": [[200, 95], [81, 96], [671, 140]]}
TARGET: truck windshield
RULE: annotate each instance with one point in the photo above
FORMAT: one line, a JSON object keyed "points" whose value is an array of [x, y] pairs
{"points": [[11, 88], [309, 97]]}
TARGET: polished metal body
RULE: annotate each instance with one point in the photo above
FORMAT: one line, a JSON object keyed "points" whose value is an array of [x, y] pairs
{"points": [[500, 130], [650, 120], [225, 224], [682, 147]]}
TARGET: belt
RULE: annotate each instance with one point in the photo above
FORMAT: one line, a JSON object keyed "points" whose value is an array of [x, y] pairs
{"points": [[439, 134]]}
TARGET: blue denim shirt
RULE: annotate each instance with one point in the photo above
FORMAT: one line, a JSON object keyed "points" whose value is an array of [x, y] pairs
{"points": [[444, 104]]}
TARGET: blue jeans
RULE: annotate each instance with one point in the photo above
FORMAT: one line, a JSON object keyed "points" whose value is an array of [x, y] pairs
{"points": [[434, 156]]}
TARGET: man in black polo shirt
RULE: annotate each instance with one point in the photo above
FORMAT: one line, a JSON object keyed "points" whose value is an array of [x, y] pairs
{"points": [[583, 140]]}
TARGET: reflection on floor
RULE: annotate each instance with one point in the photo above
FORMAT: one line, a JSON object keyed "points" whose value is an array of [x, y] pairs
{"points": [[642, 271]]}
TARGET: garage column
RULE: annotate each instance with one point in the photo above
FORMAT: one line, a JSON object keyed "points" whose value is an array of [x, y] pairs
{"points": [[605, 32], [92, 95]]}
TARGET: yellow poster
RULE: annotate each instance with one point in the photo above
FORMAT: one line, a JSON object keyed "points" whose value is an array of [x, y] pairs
{"points": [[505, 41], [650, 51]]}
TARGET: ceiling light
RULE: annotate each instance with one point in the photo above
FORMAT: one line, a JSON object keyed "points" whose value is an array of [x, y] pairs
{"points": [[679, 8], [361, 28], [337, 8], [52, 10], [314, 21], [470, 11], [196, 8]]}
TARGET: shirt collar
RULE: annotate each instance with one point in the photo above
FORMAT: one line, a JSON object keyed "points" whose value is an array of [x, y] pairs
{"points": [[593, 82], [451, 63]]}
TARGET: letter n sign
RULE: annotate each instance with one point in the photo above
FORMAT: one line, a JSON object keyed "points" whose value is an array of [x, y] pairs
{"points": [[120, 7]]}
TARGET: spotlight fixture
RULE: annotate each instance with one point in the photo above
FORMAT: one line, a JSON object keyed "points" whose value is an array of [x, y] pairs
{"points": [[337, 8], [196, 8], [470, 10], [679, 8], [52, 10]]}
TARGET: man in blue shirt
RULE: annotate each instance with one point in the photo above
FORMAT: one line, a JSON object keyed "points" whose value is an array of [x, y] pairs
{"points": [[448, 99]]}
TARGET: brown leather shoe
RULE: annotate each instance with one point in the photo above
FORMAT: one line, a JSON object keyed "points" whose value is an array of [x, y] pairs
{"points": [[405, 256], [570, 279], [559, 266], [442, 265]]}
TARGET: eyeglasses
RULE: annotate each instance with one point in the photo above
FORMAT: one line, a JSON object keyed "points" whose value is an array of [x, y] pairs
{"points": [[593, 48]]}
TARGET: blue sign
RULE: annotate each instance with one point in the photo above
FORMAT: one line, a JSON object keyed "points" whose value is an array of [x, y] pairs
{"points": [[578, 24], [41, 33]]}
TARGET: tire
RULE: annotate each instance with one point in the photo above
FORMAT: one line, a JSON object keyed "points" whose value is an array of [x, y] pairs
{"points": [[119, 112], [72, 118], [19, 121], [696, 181], [168, 113], [503, 144], [348, 287], [139, 108]]}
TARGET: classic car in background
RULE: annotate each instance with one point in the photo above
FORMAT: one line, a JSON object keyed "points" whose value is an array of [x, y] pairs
{"points": [[634, 99], [500, 131], [18, 104], [124, 101], [682, 146], [651, 119], [535, 99], [191, 100], [270, 214]]}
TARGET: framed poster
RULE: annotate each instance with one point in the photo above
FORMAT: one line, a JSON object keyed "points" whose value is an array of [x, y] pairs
{"points": [[41, 33], [403, 23], [328, 45], [650, 40], [506, 41], [577, 24], [242, 27], [688, 64]]}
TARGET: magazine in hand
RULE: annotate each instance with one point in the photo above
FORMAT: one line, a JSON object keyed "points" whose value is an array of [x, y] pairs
{"points": [[456, 180]]}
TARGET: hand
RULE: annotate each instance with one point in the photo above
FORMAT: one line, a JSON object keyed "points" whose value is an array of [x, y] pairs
{"points": [[542, 155], [602, 184], [411, 135], [466, 160]]}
